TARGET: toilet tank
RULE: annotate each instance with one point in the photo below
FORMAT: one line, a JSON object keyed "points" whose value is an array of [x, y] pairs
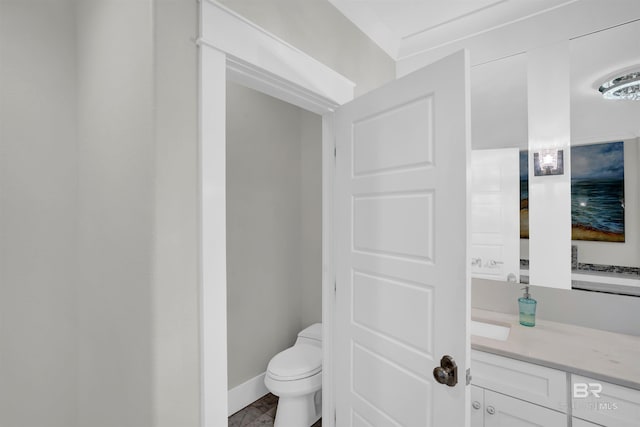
{"points": [[311, 335]]}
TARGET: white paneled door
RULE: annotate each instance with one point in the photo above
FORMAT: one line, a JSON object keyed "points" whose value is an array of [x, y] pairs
{"points": [[402, 287]]}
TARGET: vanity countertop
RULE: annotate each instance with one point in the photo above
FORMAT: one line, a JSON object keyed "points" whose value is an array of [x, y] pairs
{"points": [[593, 353]]}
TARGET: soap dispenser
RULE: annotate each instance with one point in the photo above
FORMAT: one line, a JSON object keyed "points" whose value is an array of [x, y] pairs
{"points": [[527, 307]]}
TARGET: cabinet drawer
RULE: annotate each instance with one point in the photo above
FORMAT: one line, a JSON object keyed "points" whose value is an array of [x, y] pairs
{"points": [[604, 403], [505, 411], [533, 383]]}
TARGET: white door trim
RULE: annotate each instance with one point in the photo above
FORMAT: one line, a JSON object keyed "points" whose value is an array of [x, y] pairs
{"points": [[233, 48], [262, 61]]}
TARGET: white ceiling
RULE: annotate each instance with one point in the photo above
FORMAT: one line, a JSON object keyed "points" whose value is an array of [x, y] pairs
{"points": [[594, 59], [405, 27], [499, 109]]}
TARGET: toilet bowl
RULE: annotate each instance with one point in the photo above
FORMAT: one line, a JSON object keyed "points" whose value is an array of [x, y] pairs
{"points": [[295, 376]]}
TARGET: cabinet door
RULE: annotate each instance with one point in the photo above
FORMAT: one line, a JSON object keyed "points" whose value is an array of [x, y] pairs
{"points": [[606, 404], [505, 411], [532, 383], [477, 406]]}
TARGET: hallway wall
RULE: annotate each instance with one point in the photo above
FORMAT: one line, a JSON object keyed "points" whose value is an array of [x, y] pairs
{"points": [[115, 212], [38, 201], [98, 213]]}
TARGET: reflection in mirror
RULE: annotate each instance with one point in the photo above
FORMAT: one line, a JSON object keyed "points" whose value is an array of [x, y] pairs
{"points": [[605, 162], [500, 122], [499, 132]]}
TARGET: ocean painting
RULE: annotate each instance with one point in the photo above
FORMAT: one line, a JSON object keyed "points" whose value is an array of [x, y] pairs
{"points": [[524, 194], [597, 192]]}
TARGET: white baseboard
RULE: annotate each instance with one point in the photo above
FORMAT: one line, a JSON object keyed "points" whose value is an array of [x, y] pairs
{"points": [[246, 393]]}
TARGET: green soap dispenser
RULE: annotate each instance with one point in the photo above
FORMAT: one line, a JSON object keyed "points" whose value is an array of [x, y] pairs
{"points": [[527, 307]]}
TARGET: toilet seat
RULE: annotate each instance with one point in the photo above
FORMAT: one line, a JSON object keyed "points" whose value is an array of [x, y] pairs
{"points": [[295, 363]]}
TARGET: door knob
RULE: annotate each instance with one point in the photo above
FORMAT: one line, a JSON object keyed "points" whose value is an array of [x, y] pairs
{"points": [[491, 410], [476, 404], [447, 372]]}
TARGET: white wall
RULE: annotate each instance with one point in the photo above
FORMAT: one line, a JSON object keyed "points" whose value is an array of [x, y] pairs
{"points": [[608, 312], [499, 104], [38, 200], [115, 211], [273, 240], [311, 218], [92, 191], [549, 196], [317, 28], [176, 309]]}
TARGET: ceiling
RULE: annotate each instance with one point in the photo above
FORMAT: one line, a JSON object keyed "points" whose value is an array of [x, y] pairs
{"points": [[499, 108], [406, 27], [592, 116]]}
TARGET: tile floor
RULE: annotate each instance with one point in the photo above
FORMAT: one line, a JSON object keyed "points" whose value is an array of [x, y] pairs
{"points": [[259, 414]]}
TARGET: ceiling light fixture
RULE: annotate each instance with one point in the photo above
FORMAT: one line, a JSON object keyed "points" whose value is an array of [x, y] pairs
{"points": [[626, 86]]}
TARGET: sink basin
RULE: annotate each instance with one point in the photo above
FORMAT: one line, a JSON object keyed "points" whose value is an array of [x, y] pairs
{"points": [[490, 330]]}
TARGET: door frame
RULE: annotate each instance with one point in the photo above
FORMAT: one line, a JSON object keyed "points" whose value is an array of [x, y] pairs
{"points": [[233, 48]]}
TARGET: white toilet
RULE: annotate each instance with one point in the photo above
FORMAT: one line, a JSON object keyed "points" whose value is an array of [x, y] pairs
{"points": [[295, 376]]}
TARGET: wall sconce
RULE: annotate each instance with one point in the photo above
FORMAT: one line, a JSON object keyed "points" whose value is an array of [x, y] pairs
{"points": [[548, 162]]}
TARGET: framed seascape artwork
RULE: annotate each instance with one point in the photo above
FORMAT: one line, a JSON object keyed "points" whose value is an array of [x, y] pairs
{"points": [[597, 192]]}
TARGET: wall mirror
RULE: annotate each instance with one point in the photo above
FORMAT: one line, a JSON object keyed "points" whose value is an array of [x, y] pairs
{"points": [[605, 180], [499, 133], [603, 165]]}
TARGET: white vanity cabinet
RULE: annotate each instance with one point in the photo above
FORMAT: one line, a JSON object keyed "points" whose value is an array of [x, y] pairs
{"points": [[477, 406], [491, 409], [533, 383], [510, 393], [604, 403]]}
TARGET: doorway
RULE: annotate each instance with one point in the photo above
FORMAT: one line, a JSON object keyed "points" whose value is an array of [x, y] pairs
{"points": [[282, 71], [274, 233]]}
